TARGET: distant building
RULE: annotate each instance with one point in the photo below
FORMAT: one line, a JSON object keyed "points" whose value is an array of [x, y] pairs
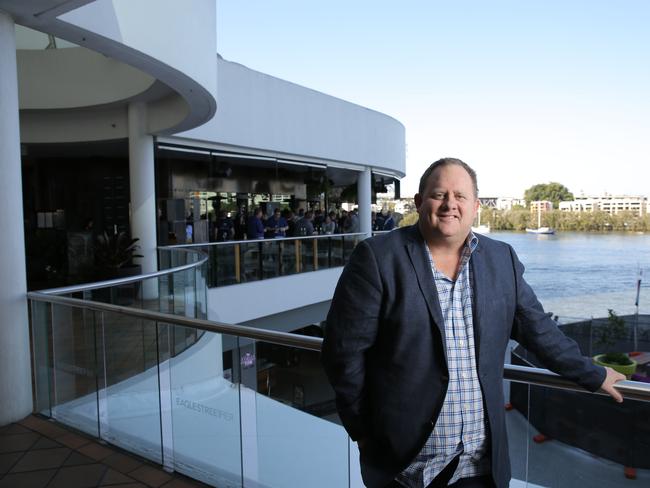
{"points": [[541, 205], [507, 203], [612, 204]]}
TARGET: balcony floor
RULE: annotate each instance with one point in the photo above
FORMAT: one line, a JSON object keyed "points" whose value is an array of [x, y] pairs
{"points": [[37, 453]]}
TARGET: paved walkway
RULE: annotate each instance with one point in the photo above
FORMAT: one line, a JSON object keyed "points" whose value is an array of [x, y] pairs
{"points": [[37, 453]]}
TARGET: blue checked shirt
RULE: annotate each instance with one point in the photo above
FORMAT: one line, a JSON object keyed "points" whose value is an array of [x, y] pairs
{"points": [[460, 428]]}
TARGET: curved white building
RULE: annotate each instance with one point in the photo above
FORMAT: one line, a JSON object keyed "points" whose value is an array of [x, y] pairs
{"points": [[111, 112]]}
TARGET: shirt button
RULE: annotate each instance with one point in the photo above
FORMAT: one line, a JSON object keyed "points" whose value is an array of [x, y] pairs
{"points": [[461, 343], [464, 374]]}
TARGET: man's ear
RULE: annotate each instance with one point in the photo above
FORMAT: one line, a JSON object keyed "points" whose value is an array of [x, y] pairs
{"points": [[417, 198]]}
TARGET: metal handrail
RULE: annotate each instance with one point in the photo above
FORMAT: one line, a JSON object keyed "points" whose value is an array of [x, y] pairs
{"points": [[276, 337], [633, 390], [521, 374], [124, 281], [252, 241]]}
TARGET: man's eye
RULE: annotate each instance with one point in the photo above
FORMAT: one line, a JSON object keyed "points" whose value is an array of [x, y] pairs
{"points": [[438, 196], [461, 197]]}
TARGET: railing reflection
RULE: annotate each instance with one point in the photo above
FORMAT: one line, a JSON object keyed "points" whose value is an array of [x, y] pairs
{"points": [[233, 262]]}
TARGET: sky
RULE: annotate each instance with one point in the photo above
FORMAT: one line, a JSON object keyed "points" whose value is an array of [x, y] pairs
{"points": [[525, 91]]}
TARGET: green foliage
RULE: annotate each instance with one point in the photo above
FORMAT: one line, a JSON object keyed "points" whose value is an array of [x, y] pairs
{"points": [[611, 332], [519, 219], [115, 251], [554, 192], [619, 358]]}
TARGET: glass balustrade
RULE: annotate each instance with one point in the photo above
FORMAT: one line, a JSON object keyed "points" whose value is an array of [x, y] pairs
{"points": [[235, 262], [564, 439], [244, 410], [291, 424]]}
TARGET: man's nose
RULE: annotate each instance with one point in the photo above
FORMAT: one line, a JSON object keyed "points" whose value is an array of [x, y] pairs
{"points": [[450, 201]]}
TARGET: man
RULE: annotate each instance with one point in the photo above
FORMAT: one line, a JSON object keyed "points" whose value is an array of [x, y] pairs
{"points": [[255, 227], [416, 336], [355, 225], [276, 225], [389, 223], [305, 227], [225, 227]]}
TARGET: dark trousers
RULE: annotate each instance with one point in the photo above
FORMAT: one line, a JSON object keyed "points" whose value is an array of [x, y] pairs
{"points": [[442, 480]]}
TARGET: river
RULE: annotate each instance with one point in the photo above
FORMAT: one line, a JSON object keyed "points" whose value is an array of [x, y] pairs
{"points": [[581, 275]]}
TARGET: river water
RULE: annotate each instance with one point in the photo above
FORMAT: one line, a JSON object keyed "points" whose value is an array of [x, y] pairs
{"points": [[581, 275]]}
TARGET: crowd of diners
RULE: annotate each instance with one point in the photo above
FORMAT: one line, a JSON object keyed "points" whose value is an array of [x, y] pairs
{"points": [[280, 223]]}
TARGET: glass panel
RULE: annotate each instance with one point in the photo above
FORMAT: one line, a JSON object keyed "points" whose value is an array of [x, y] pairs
{"points": [[518, 430], [575, 438], [337, 251], [251, 259], [149, 294], [74, 396], [271, 258], [292, 427], [204, 407], [581, 439], [349, 243], [324, 252], [42, 356], [289, 260], [307, 261], [201, 291], [129, 396], [225, 264]]}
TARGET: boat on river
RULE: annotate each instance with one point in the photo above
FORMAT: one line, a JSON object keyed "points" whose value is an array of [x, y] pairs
{"points": [[540, 229], [478, 228]]}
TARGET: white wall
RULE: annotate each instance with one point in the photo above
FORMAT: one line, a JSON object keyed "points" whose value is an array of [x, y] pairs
{"points": [[171, 41], [179, 34], [263, 112], [75, 77], [247, 301]]}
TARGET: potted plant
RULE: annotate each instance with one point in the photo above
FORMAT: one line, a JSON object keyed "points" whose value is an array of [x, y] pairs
{"points": [[114, 255], [607, 337]]}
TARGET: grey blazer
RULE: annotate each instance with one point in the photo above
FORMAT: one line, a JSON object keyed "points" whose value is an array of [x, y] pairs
{"points": [[384, 347]]}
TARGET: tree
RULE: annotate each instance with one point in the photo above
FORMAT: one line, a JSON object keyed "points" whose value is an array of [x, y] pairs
{"points": [[554, 192]]}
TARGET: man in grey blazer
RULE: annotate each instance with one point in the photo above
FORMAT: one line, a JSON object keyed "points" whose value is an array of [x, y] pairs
{"points": [[416, 336]]}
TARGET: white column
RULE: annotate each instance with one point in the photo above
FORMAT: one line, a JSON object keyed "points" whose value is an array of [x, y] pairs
{"points": [[365, 201], [15, 364], [142, 185]]}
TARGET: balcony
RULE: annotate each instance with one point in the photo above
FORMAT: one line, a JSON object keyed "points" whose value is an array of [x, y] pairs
{"points": [[144, 371], [235, 262]]}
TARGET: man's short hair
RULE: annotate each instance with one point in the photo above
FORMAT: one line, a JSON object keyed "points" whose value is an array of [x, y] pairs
{"points": [[447, 162]]}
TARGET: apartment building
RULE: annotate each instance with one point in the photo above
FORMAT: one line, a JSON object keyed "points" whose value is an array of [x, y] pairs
{"points": [[541, 206], [612, 204]]}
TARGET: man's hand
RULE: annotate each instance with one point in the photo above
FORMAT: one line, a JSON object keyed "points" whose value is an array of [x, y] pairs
{"points": [[608, 385]]}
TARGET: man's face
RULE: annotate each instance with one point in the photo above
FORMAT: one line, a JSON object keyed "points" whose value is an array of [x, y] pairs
{"points": [[448, 205]]}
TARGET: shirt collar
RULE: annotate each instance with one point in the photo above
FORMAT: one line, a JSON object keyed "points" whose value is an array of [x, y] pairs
{"points": [[472, 241]]}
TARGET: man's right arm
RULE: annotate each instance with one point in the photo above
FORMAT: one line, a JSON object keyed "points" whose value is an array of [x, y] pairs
{"points": [[352, 326]]}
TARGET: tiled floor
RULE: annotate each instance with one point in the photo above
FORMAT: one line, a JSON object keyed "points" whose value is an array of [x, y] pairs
{"points": [[37, 453]]}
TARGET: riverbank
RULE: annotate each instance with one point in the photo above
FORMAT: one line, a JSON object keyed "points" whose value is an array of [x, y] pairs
{"points": [[520, 219]]}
